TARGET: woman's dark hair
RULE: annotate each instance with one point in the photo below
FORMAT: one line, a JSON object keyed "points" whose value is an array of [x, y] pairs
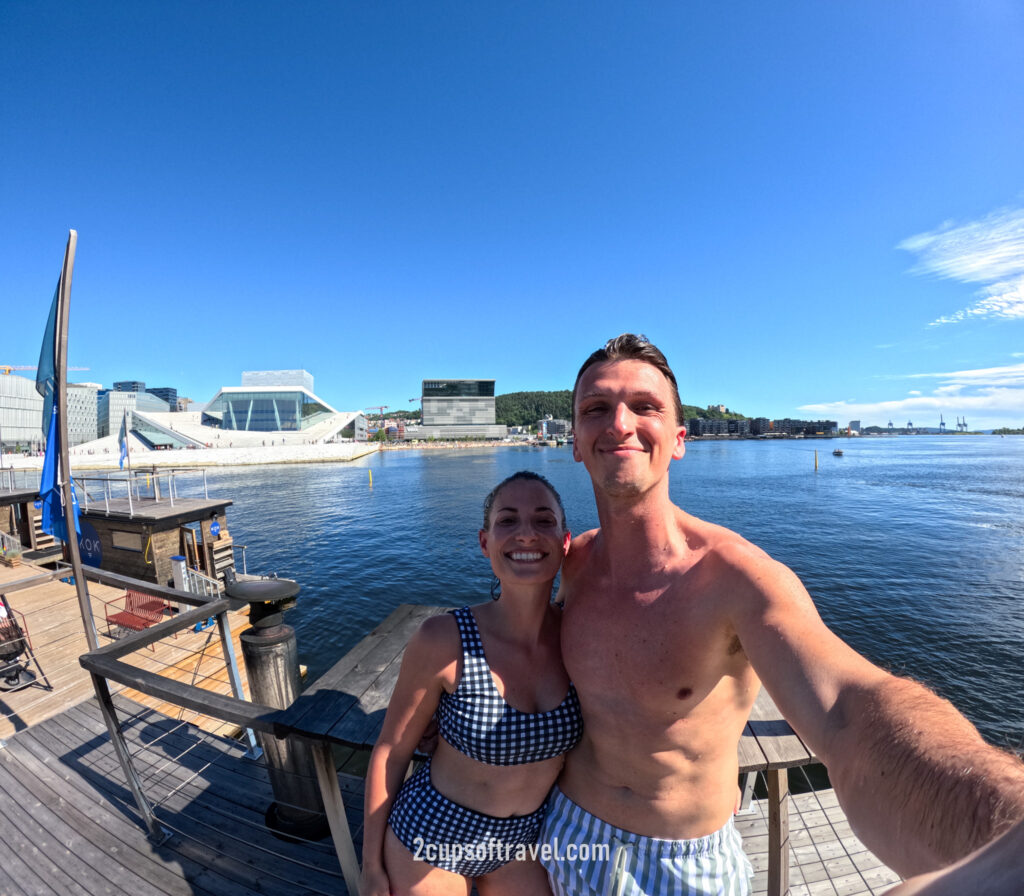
{"points": [[632, 347], [529, 476]]}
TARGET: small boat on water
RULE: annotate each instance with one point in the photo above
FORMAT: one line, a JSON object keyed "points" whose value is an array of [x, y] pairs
{"points": [[838, 452]]}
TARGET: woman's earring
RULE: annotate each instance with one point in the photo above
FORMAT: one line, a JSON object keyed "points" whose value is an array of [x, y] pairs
{"points": [[495, 588]]}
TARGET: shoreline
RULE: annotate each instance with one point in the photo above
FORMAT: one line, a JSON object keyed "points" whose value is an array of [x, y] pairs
{"points": [[340, 452]]}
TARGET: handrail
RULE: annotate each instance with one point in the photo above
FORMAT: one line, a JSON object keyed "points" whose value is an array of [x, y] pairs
{"points": [[172, 594], [197, 583], [143, 485], [106, 662]]}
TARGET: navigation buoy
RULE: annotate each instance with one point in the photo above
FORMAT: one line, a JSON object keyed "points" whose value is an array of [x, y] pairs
{"points": [[371, 478]]}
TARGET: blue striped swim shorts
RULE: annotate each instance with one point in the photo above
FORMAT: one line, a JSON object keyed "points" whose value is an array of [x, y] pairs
{"points": [[634, 865], [449, 836]]}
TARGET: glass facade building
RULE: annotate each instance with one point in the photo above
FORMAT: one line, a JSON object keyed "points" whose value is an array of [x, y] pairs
{"points": [[21, 413], [269, 409], [83, 412], [112, 406]]}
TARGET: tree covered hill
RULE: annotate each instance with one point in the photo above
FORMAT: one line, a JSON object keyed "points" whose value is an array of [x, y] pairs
{"points": [[526, 408]]}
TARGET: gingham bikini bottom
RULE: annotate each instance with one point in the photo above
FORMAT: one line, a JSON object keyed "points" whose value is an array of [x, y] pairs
{"points": [[449, 836]]}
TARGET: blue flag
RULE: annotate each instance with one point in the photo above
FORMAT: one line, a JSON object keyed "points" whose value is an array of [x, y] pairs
{"points": [[50, 491], [122, 440], [46, 377]]}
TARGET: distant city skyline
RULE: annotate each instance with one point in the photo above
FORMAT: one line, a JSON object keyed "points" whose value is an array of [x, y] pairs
{"points": [[815, 210]]}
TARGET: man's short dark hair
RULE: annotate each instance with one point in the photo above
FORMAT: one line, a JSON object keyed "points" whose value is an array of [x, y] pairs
{"points": [[632, 347]]}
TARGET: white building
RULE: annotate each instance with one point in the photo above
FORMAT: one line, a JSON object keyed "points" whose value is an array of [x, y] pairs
{"points": [[83, 412], [21, 413]]}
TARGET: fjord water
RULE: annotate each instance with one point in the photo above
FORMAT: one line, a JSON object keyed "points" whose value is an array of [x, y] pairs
{"points": [[912, 547]]}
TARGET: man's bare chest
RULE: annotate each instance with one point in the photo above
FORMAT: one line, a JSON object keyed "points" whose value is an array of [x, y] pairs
{"points": [[655, 646]]}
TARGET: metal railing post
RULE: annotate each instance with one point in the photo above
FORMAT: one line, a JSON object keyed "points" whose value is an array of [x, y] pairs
{"points": [[224, 627], [157, 833]]}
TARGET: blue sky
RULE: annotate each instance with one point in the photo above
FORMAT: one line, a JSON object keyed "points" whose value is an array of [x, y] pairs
{"points": [[815, 209]]}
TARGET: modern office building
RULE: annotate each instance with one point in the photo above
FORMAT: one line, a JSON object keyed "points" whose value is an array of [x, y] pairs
{"points": [[21, 413], [552, 428], [167, 394], [83, 412], [129, 386], [458, 409], [112, 405]]}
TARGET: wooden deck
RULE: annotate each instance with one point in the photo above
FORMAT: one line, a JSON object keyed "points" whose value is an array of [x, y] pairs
{"points": [[70, 828], [55, 629], [69, 825]]}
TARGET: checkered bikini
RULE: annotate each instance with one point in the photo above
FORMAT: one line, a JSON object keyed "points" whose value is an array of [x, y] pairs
{"points": [[478, 722]]}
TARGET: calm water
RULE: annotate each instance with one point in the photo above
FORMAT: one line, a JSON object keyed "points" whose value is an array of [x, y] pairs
{"points": [[913, 548]]}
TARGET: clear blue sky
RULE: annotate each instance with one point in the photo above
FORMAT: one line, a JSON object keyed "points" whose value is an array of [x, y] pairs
{"points": [[815, 209]]}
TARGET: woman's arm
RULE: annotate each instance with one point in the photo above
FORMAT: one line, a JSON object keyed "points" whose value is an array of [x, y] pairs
{"points": [[428, 666]]}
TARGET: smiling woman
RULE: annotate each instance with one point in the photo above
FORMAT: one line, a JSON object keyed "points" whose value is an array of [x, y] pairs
{"points": [[506, 714]]}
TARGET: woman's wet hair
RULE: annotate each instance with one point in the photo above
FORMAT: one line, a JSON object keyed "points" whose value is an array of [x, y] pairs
{"points": [[522, 475], [632, 347]]}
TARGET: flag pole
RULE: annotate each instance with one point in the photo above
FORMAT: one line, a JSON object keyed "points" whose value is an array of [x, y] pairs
{"points": [[61, 394], [125, 448]]}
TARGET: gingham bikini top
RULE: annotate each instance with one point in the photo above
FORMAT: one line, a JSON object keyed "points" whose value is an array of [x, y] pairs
{"points": [[477, 721]]}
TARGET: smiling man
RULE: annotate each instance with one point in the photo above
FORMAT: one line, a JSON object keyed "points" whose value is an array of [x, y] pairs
{"points": [[671, 624]]}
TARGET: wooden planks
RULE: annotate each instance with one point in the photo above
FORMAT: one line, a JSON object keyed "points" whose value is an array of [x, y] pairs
{"points": [[68, 825], [63, 803], [56, 630]]}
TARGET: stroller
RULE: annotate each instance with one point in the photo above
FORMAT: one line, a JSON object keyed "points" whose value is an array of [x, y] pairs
{"points": [[16, 651]]}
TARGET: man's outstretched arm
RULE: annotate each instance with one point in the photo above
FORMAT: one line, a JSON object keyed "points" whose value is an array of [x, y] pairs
{"points": [[995, 870], [918, 783]]}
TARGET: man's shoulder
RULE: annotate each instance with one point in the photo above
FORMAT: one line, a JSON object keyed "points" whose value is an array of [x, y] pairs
{"points": [[580, 549], [728, 554]]}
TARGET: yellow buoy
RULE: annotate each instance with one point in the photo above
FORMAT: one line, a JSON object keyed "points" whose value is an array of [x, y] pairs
{"points": [[371, 478]]}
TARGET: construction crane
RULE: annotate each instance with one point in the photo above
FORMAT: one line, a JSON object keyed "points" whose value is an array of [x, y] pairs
{"points": [[380, 409], [942, 423], [7, 368]]}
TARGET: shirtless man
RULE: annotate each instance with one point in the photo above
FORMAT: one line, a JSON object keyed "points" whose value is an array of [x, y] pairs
{"points": [[671, 624]]}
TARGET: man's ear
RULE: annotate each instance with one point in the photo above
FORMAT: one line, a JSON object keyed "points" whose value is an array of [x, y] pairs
{"points": [[680, 447]]}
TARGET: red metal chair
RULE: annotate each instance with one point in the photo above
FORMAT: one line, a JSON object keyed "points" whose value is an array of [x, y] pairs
{"points": [[140, 611]]}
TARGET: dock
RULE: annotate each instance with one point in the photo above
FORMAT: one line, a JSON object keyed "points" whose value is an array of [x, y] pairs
{"points": [[70, 824], [53, 622]]}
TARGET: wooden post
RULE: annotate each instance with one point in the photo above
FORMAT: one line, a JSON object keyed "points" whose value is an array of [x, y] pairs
{"points": [[327, 777], [778, 832]]}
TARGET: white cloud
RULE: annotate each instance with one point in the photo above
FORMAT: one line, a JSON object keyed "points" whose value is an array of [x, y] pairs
{"points": [[913, 392], [988, 397], [988, 251]]}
